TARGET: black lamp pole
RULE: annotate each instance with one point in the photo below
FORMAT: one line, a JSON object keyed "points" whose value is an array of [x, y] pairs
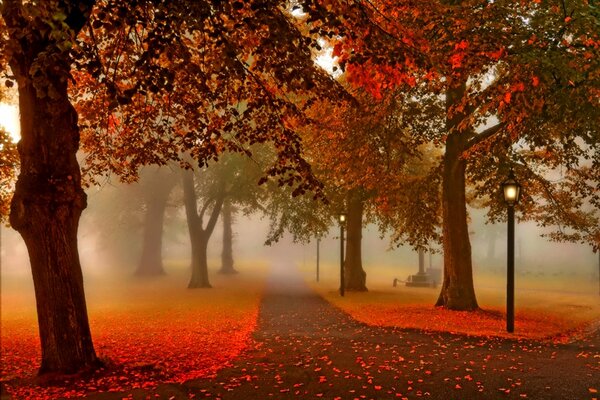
{"points": [[342, 283], [510, 272], [512, 193]]}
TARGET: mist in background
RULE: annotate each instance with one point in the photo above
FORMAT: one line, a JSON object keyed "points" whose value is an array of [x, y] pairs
{"points": [[111, 233]]}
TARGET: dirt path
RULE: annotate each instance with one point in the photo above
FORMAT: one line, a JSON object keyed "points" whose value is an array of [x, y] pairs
{"points": [[305, 348]]}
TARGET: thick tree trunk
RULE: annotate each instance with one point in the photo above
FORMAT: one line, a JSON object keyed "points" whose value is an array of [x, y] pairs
{"points": [[227, 252], [457, 291], [355, 276], [49, 199], [199, 236], [156, 193]]}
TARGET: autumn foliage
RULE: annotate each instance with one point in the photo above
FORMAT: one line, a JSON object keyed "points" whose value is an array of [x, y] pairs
{"points": [[401, 310], [179, 336]]}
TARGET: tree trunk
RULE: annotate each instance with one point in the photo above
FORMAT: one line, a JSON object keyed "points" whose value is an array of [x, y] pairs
{"points": [[199, 236], [199, 277], [227, 253], [457, 291], [156, 194], [49, 199], [355, 276]]}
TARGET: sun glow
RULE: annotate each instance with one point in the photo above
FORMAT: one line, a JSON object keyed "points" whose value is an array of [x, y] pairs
{"points": [[9, 120]]}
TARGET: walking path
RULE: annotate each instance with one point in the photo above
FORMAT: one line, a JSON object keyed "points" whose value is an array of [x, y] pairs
{"points": [[306, 348]]}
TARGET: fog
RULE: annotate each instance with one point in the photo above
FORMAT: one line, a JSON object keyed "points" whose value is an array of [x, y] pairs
{"points": [[110, 239]]}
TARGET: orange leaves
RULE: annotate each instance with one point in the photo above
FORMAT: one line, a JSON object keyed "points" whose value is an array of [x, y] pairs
{"points": [[337, 49], [183, 338], [459, 54], [456, 60], [529, 324], [113, 123], [377, 78], [462, 45], [496, 55]]}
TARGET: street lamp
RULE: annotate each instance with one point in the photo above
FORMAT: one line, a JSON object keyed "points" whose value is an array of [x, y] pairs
{"points": [[512, 193], [342, 224]]}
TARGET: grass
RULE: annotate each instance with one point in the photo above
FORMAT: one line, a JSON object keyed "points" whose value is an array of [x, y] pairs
{"points": [[148, 331], [544, 310]]}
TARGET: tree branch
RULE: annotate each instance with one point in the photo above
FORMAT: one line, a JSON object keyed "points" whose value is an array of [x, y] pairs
{"points": [[481, 136]]}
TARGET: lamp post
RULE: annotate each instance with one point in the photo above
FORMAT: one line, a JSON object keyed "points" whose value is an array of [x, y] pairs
{"points": [[342, 283], [512, 193], [318, 245]]}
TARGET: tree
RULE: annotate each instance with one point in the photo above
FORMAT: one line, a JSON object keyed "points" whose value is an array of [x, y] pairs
{"points": [[200, 234], [227, 215], [232, 179], [365, 155], [8, 166], [156, 187], [48, 197], [523, 65]]}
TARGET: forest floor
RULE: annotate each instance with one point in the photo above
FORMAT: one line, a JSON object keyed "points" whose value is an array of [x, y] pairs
{"points": [[146, 330], [303, 347], [540, 314]]}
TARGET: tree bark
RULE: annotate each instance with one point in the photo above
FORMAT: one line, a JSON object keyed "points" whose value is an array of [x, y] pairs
{"points": [[457, 291], [48, 198], [227, 252], [156, 193], [199, 278], [199, 235], [355, 276]]}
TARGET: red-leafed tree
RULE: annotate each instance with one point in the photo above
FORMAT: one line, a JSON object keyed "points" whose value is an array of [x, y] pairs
{"points": [[373, 169], [518, 86]]}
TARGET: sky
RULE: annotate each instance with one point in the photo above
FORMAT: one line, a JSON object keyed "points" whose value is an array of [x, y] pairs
{"points": [[9, 119]]}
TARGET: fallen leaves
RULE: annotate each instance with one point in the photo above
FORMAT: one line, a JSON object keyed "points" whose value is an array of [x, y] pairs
{"points": [[529, 324], [180, 336]]}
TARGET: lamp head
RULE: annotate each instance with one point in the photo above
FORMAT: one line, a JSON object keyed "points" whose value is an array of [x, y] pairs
{"points": [[512, 190]]}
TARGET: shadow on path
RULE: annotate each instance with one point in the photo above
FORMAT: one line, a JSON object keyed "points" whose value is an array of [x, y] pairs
{"points": [[307, 348]]}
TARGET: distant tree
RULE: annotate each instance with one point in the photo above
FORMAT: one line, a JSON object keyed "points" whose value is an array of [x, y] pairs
{"points": [[232, 180], [156, 186], [9, 164], [200, 233], [244, 195], [227, 215], [365, 155]]}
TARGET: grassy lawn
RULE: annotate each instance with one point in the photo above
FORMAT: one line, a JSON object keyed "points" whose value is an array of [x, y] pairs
{"points": [[148, 331], [545, 308]]}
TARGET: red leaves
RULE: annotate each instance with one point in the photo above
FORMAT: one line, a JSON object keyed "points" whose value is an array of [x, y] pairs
{"points": [[378, 78], [147, 344], [529, 324]]}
